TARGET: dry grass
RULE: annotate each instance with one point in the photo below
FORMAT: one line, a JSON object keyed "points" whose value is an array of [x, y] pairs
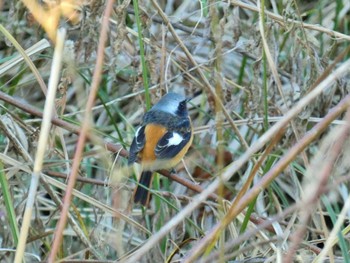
{"points": [[270, 157]]}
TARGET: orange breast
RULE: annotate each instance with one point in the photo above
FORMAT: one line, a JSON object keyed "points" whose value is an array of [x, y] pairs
{"points": [[153, 134]]}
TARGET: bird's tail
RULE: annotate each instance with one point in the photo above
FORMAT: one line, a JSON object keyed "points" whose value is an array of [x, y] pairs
{"points": [[141, 194]]}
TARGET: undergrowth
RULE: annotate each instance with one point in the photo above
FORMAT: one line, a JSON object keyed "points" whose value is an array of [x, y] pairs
{"points": [[266, 178]]}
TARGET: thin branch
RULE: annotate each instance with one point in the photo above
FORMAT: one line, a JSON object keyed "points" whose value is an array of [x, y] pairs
{"points": [[270, 176], [20, 104], [83, 133], [42, 143], [319, 181], [283, 21]]}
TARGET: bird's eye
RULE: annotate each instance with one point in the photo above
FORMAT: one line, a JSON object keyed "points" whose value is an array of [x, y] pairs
{"points": [[182, 105], [182, 109]]}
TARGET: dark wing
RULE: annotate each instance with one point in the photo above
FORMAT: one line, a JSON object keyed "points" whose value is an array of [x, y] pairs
{"points": [[171, 144], [137, 144]]}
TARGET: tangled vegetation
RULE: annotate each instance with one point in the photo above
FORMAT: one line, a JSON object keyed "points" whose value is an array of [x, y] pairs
{"points": [[266, 178]]}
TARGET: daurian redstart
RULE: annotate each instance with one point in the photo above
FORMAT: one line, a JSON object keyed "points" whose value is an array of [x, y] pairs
{"points": [[161, 141]]}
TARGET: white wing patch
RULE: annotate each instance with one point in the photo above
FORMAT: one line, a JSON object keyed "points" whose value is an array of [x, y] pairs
{"points": [[171, 144], [176, 139]]}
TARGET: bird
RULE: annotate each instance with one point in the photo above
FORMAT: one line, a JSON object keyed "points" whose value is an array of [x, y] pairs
{"points": [[161, 141]]}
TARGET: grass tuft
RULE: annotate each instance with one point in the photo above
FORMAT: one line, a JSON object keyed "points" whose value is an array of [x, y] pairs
{"points": [[267, 176]]}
